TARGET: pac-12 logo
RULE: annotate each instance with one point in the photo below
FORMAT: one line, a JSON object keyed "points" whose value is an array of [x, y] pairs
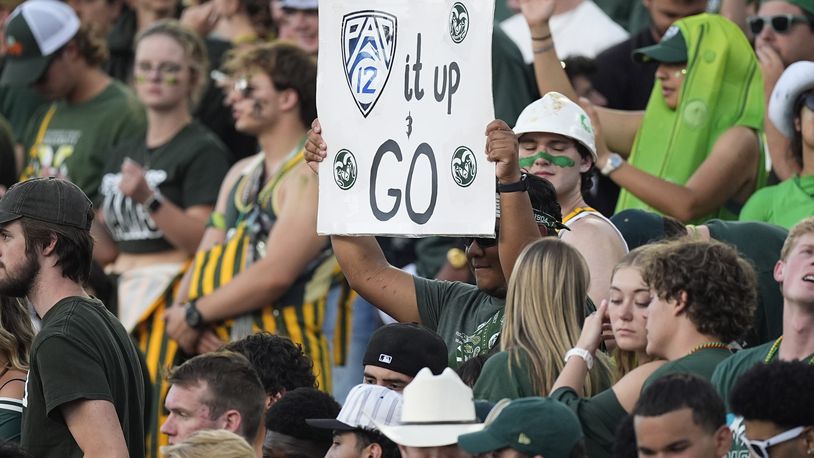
{"points": [[368, 47]]}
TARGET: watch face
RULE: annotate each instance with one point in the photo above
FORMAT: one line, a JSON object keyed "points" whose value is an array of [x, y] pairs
{"points": [[193, 316]]}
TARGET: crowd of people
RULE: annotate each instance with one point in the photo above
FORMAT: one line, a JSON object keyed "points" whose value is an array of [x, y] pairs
{"points": [[649, 290]]}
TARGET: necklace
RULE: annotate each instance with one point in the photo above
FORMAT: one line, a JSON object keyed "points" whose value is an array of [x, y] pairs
{"points": [[708, 345], [775, 348]]}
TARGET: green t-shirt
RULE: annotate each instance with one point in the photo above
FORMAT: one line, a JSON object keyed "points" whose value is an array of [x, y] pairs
{"points": [[187, 170], [77, 137], [701, 363], [502, 377], [784, 204], [10, 419], [18, 104], [82, 352], [599, 416], [768, 321], [468, 319], [724, 379]]}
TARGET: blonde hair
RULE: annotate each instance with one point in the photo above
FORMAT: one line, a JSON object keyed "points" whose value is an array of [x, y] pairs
{"points": [[545, 308], [16, 332], [209, 443], [806, 226], [625, 360], [194, 53]]}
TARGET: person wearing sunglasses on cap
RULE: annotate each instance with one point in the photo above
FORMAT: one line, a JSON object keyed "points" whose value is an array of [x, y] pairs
{"points": [[784, 32], [467, 317], [779, 422], [791, 109]]}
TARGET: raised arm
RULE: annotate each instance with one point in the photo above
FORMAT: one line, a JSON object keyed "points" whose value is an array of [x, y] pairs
{"points": [[362, 260], [622, 126], [728, 172], [517, 225], [779, 146]]}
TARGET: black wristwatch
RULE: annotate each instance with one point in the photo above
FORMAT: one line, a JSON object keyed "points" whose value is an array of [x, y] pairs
{"points": [[154, 202], [519, 186], [193, 316]]}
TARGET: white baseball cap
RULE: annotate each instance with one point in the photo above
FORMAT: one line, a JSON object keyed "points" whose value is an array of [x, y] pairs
{"points": [[364, 405]]}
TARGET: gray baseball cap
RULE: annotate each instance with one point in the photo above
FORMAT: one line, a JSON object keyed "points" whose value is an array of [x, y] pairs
{"points": [[52, 200]]}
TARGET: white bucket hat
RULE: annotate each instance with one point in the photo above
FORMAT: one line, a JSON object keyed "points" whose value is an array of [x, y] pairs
{"points": [[798, 78], [436, 410], [557, 114]]}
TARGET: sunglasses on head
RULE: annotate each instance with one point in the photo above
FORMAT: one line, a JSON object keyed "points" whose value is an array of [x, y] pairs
{"points": [[780, 23], [761, 448]]}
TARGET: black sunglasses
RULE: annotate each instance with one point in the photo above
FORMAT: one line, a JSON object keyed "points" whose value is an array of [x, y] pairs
{"points": [[482, 241], [806, 99], [780, 23]]}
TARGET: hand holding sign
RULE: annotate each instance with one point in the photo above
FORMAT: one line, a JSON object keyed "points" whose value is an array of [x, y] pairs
{"points": [[502, 149], [315, 148]]}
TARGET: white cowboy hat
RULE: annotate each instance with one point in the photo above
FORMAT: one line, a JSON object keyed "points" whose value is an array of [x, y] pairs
{"points": [[798, 78], [436, 410]]}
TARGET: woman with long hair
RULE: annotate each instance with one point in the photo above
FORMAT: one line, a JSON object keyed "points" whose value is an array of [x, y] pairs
{"points": [[695, 152], [545, 306], [16, 335], [628, 299]]}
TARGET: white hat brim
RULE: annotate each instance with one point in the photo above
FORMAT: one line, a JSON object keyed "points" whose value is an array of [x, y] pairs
{"points": [[798, 78], [428, 435]]}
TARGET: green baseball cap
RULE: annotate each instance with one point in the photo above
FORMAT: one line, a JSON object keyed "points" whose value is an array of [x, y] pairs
{"points": [[51, 200], [805, 5], [553, 433], [34, 33], [672, 49]]}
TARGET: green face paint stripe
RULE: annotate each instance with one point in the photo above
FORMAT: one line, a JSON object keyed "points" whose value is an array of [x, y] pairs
{"points": [[559, 161]]}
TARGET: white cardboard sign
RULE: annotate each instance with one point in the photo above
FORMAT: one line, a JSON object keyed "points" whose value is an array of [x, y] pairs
{"points": [[404, 94]]}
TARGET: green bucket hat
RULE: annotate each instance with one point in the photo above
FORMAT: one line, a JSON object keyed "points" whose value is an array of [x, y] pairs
{"points": [[672, 49], [553, 433], [35, 31]]}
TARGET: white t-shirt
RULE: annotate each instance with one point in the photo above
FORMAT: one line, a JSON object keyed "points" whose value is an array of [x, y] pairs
{"points": [[584, 31]]}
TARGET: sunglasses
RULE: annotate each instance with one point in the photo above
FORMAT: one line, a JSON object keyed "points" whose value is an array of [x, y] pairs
{"points": [[780, 23], [482, 241], [806, 100], [761, 448]]}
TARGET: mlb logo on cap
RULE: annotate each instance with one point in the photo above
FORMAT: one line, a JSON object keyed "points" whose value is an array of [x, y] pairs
{"points": [[387, 359]]}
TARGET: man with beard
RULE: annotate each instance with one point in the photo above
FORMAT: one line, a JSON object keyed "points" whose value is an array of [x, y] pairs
{"points": [[85, 389]]}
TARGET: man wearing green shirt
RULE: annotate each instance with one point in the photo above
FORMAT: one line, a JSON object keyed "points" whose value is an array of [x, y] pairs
{"points": [[467, 317], [795, 273], [89, 113]]}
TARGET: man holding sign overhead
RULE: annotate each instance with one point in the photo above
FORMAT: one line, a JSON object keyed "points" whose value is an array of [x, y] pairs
{"points": [[414, 163]]}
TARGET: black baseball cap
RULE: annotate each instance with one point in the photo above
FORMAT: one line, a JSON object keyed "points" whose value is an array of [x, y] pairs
{"points": [[406, 348], [672, 49], [52, 200]]}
